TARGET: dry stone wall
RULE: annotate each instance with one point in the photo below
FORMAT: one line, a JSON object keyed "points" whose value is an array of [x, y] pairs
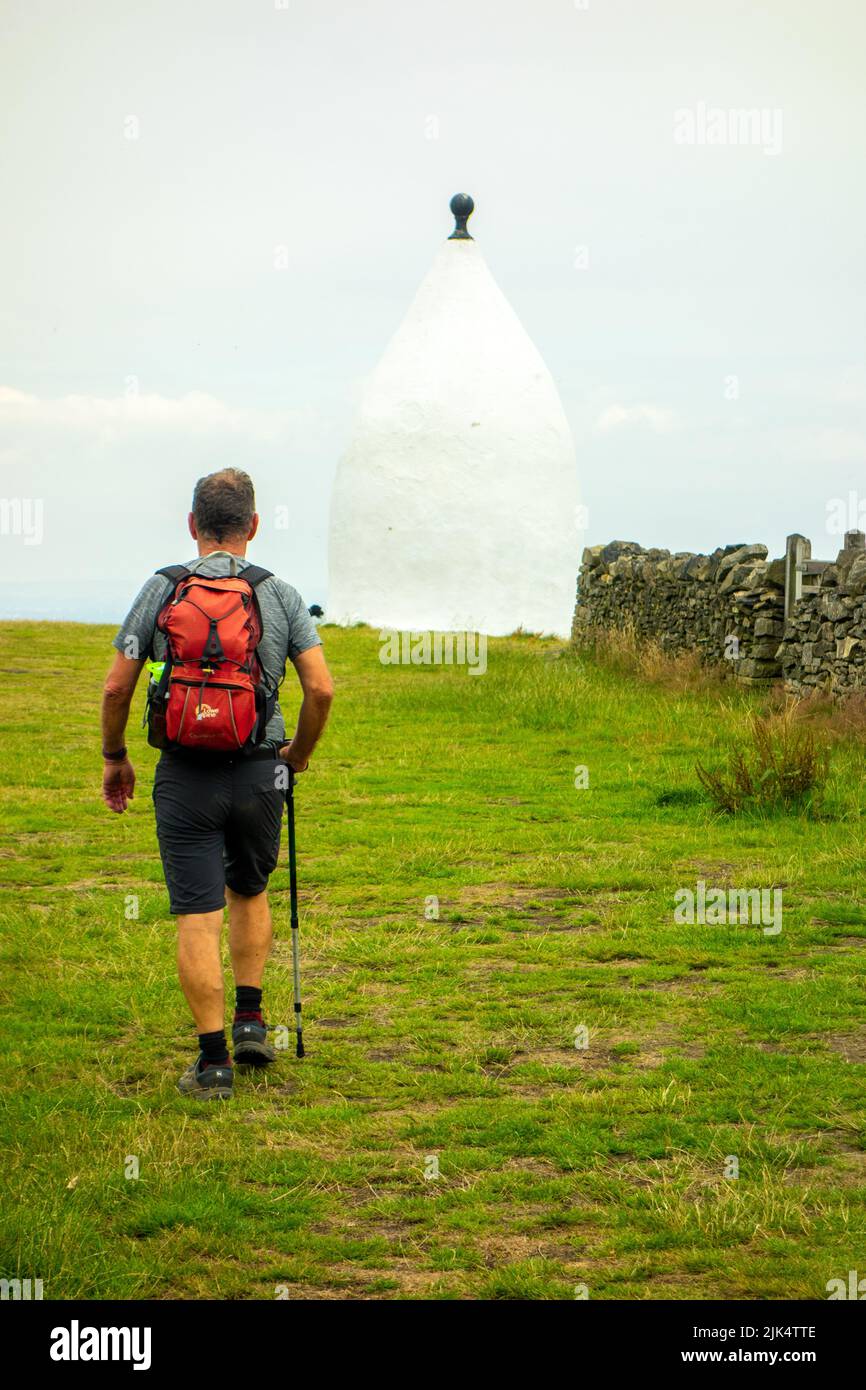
{"points": [[730, 607], [824, 644]]}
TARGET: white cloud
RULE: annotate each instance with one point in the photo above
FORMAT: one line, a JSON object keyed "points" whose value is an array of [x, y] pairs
{"points": [[654, 417], [113, 478], [113, 416]]}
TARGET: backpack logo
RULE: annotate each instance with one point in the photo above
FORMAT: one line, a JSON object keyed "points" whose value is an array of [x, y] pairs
{"points": [[206, 712]]}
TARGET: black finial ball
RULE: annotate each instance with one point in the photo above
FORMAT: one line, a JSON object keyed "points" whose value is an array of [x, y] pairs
{"points": [[462, 207]]}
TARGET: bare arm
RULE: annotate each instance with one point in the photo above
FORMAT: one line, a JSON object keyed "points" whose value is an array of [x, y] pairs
{"points": [[118, 778], [318, 689]]}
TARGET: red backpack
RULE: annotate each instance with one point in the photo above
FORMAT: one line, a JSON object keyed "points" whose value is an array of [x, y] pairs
{"points": [[210, 694]]}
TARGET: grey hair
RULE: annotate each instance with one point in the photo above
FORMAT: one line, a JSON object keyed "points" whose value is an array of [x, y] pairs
{"points": [[224, 504]]}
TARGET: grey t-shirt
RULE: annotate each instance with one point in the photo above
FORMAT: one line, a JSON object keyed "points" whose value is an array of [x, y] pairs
{"points": [[287, 628]]}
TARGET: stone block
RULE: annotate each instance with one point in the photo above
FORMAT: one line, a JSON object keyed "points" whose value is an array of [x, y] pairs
{"points": [[741, 555]]}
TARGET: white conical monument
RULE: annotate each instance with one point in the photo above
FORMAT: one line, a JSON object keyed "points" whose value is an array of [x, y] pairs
{"points": [[456, 505]]}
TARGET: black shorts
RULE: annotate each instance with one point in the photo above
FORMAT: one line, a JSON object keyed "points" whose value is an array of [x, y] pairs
{"points": [[218, 821]]}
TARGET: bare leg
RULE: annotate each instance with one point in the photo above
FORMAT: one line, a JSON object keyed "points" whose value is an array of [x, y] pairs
{"points": [[200, 968], [250, 936]]}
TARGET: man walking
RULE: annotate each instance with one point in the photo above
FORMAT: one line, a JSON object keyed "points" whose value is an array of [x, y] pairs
{"points": [[219, 814]]}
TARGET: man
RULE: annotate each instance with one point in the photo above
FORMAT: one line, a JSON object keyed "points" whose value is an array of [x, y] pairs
{"points": [[219, 815]]}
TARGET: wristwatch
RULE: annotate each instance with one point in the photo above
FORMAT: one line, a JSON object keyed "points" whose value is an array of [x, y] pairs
{"points": [[117, 757]]}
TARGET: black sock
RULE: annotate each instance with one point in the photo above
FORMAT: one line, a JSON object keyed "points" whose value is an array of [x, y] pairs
{"points": [[214, 1049], [248, 1000]]}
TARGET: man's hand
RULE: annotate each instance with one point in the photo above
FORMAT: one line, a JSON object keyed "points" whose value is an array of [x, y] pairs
{"points": [[295, 763], [118, 785]]}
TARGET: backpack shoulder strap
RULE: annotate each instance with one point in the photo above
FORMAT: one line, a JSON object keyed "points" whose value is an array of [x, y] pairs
{"points": [[173, 572], [255, 575]]}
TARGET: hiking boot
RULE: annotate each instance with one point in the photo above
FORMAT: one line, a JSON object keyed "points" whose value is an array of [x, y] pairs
{"points": [[207, 1083], [250, 1043]]}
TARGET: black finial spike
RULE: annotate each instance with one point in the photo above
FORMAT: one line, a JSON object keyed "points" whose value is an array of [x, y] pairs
{"points": [[462, 207]]}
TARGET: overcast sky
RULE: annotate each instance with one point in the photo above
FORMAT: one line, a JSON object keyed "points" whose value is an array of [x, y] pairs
{"points": [[216, 213]]}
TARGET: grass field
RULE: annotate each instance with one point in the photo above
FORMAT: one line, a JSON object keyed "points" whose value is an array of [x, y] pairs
{"points": [[446, 1042]]}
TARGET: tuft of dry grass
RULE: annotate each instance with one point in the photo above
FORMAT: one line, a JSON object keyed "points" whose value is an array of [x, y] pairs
{"points": [[783, 765], [833, 716], [629, 652]]}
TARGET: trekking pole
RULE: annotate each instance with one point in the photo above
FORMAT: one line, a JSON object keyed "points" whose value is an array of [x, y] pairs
{"points": [[293, 894]]}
